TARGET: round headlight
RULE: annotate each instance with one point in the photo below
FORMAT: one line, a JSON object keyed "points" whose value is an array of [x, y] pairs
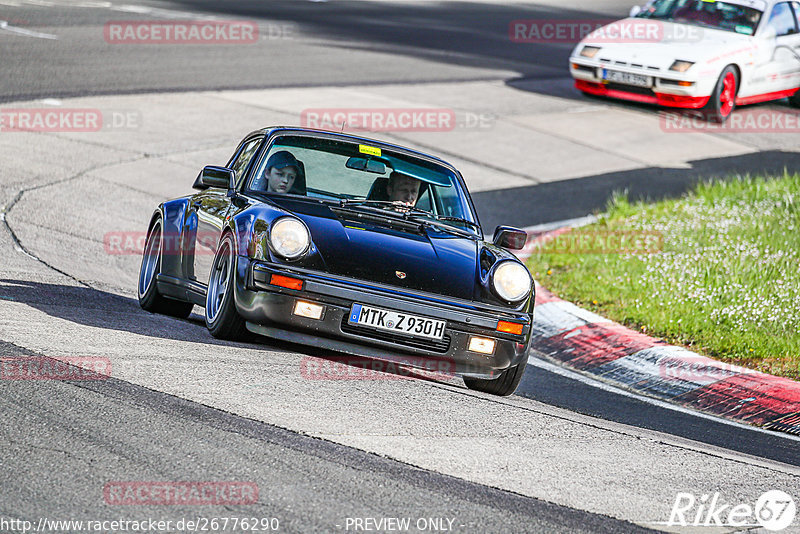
{"points": [[289, 238], [511, 281]]}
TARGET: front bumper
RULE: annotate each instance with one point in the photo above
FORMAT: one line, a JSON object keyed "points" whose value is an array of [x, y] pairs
{"points": [[269, 310], [665, 90]]}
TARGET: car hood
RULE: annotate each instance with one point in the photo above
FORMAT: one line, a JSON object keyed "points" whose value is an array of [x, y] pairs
{"points": [[702, 45], [430, 260]]}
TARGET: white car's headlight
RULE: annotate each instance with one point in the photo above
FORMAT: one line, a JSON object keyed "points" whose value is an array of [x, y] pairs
{"points": [[289, 238], [681, 66], [511, 281], [590, 51]]}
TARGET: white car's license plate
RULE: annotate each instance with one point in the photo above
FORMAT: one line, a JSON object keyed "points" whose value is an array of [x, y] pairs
{"points": [[392, 321], [627, 78]]}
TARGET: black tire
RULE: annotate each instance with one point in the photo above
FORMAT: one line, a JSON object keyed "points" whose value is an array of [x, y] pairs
{"points": [[222, 319], [794, 100], [149, 297], [723, 99], [504, 385]]}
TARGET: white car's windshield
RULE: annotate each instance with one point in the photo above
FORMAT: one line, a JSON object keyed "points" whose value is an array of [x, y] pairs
{"points": [[726, 16], [354, 174]]}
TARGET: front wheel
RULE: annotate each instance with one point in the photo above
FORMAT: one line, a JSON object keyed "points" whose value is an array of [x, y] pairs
{"points": [[222, 319], [149, 297], [723, 99], [504, 385], [794, 100]]}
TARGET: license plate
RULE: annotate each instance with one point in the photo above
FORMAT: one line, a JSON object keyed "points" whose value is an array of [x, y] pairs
{"points": [[392, 321], [627, 78]]}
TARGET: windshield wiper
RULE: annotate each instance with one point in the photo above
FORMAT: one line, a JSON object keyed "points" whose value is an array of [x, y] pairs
{"points": [[457, 219], [411, 212], [428, 219], [398, 206]]}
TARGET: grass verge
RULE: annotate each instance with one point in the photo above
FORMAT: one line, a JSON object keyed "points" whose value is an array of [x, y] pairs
{"points": [[724, 279]]}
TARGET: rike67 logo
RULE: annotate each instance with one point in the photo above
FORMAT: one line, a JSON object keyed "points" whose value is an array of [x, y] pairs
{"points": [[774, 511]]}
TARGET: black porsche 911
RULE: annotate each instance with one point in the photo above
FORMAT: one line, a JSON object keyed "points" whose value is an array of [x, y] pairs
{"points": [[338, 241]]}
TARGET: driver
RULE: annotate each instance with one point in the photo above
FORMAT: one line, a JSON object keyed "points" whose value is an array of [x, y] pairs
{"points": [[280, 175], [403, 188]]}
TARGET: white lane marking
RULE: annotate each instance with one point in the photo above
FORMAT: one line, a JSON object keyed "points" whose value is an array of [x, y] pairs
{"points": [[51, 102], [572, 223], [574, 375], [4, 26], [92, 4], [162, 13]]}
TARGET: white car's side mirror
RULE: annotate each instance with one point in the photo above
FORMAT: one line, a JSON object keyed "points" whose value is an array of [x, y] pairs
{"points": [[768, 33], [635, 10]]}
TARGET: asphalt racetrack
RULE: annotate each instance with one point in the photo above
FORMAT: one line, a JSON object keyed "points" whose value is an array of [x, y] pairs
{"points": [[564, 454]]}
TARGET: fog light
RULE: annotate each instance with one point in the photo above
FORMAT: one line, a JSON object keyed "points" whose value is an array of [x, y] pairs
{"points": [[308, 309], [481, 345]]}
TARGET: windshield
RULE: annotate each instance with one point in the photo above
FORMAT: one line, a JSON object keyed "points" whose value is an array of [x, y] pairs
{"points": [[728, 16], [358, 175]]}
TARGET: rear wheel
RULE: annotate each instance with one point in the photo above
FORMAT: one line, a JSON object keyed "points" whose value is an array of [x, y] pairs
{"points": [[149, 297], [503, 385], [723, 99], [222, 319]]}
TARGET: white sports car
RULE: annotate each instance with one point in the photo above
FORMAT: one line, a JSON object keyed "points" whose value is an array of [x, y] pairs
{"points": [[695, 54]]}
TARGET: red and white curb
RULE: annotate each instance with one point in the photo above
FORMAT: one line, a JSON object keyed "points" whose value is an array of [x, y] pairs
{"points": [[593, 345]]}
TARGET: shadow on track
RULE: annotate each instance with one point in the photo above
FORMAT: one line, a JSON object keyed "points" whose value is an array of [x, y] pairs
{"points": [[568, 199], [472, 34], [100, 309], [557, 390]]}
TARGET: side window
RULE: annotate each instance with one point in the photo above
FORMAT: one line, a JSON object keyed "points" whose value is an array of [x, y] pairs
{"points": [[783, 19], [247, 153]]}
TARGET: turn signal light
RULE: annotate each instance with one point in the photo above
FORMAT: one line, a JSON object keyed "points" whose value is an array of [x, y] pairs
{"points": [[286, 281], [509, 328]]}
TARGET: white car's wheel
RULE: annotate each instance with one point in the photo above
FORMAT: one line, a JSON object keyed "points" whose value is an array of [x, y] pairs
{"points": [[723, 99], [795, 99]]}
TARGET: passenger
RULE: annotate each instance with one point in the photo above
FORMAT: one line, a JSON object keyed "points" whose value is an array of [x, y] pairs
{"points": [[403, 188], [283, 169]]}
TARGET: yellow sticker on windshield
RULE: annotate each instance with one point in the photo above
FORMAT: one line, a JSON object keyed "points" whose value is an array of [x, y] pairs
{"points": [[371, 150]]}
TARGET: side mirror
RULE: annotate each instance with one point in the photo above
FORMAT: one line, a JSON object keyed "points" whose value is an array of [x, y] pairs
{"points": [[769, 33], [212, 176], [510, 238], [635, 10]]}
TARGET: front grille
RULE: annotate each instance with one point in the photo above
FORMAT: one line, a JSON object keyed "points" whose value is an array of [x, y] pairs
{"points": [[631, 89], [433, 345]]}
